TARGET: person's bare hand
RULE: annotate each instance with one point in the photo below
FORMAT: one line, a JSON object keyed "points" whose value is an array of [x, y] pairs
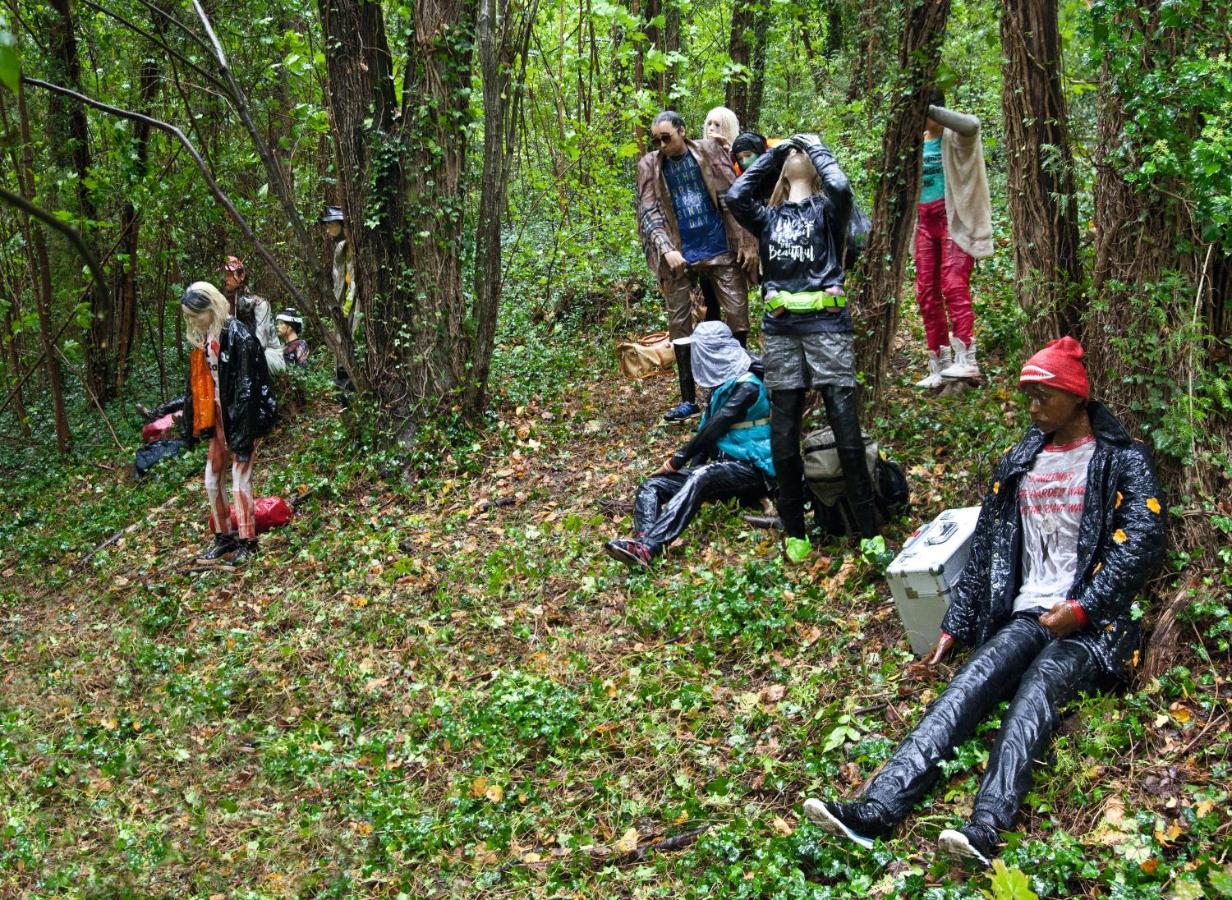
{"points": [[675, 261], [926, 664], [747, 257], [1061, 620]]}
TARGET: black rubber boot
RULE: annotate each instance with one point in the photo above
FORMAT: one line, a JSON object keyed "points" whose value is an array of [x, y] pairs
{"points": [[684, 370], [786, 412], [742, 338], [224, 544], [849, 444]]}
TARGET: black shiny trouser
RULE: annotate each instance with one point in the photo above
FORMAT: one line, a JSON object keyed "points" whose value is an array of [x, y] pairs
{"points": [[786, 415], [665, 504], [1022, 659]]}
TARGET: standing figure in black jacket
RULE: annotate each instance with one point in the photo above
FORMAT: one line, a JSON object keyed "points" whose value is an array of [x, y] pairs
{"points": [[1067, 536], [229, 402], [806, 331]]}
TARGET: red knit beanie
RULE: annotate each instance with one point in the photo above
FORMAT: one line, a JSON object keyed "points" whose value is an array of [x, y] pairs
{"points": [[1058, 365]]}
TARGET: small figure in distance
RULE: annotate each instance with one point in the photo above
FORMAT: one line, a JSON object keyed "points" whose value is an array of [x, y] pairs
{"points": [[253, 310], [229, 402], [688, 234], [728, 458], [342, 273], [807, 328], [1067, 536], [295, 349], [953, 229]]}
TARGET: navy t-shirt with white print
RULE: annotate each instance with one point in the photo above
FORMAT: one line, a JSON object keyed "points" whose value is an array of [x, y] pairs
{"points": [[702, 235]]}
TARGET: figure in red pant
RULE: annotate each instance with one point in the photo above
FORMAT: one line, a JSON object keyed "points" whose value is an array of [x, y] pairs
{"points": [[953, 229]]}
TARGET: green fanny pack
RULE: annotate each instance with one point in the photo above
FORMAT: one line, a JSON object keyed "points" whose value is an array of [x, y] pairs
{"points": [[806, 301]]}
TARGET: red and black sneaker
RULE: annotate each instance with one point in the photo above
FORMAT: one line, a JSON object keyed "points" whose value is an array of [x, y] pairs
{"points": [[634, 554]]}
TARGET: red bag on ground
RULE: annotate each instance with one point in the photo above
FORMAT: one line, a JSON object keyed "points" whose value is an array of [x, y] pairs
{"points": [[159, 429], [270, 512]]}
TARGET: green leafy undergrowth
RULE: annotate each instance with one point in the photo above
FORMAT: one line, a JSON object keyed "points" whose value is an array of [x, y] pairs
{"points": [[434, 683]]}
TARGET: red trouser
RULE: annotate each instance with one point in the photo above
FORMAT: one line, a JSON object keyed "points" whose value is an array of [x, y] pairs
{"points": [[241, 487], [942, 279]]}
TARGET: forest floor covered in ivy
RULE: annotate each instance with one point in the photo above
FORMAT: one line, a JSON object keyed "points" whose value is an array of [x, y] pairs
{"points": [[434, 683]]}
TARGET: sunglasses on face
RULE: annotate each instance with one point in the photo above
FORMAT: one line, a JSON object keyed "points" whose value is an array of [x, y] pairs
{"points": [[663, 139]]}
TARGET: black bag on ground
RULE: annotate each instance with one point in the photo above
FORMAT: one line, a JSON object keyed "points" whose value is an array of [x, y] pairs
{"points": [[149, 455], [824, 475]]}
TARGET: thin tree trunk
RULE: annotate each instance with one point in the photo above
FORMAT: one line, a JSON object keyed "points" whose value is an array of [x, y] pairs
{"points": [[41, 268], [503, 32], [898, 186], [1040, 172], [757, 69], [124, 276], [740, 51], [69, 124]]}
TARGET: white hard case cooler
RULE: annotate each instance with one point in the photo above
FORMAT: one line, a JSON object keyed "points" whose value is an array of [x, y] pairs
{"points": [[922, 575]]}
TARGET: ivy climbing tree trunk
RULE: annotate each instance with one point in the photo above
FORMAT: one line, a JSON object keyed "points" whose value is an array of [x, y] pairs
{"points": [[1040, 172], [881, 268], [401, 173]]}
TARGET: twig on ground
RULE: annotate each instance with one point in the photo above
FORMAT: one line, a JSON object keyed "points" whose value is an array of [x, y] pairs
{"points": [[676, 842]]}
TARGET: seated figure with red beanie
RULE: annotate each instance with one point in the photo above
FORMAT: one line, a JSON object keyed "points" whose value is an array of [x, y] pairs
{"points": [[1067, 535]]}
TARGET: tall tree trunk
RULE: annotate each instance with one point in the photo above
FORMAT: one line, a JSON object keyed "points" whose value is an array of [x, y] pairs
{"points": [[757, 70], [70, 125], [124, 273], [1040, 172], [740, 51], [898, 186], [503, 32], [40, 266], [402, 187]]}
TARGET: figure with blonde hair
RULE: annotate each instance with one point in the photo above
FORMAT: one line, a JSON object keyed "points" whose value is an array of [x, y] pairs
{"points": [[228, 402], [722, 125], [807, 330]]}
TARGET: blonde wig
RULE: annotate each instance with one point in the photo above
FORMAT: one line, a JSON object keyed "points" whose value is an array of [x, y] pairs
{"points": [[729, 125], [203, 297], [797, 167]]}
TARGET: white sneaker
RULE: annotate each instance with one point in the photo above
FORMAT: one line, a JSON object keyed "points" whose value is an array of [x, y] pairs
{"points": [[936, 362], [965, 364]]}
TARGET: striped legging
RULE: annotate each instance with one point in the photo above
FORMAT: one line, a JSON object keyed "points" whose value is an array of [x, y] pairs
{"points": [[241, 487]]}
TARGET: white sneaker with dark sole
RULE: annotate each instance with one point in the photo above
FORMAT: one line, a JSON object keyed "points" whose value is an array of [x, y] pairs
{"points": [[815, 811], [955, 843]]}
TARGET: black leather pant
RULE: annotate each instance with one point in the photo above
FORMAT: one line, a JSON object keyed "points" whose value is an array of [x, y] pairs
{"points": [[665, 504], [1023, 660], [786, 415]]}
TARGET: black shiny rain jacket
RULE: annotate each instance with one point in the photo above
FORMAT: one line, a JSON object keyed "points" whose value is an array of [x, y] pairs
{"points": [[244, 393], [801, 244], [1120, 543]]}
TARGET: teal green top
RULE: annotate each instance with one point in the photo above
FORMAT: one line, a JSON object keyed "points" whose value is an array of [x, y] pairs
{"points": [[748, 440], [933, 185]]}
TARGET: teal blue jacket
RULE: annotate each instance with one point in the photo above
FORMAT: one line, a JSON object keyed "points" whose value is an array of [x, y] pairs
{"points": [[736, 423]]}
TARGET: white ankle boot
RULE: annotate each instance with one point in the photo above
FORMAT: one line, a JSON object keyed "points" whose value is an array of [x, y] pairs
{"points": [[936, 362], [965, 364]]}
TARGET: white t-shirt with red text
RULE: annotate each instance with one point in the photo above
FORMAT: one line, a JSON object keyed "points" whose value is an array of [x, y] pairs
{"points": [[1050, 501]]}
